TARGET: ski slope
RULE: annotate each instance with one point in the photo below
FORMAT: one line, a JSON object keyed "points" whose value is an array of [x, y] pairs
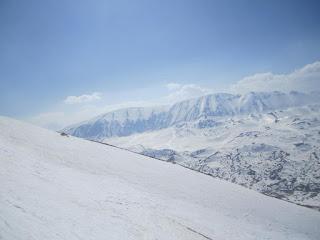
{"points": [[57, 187]]}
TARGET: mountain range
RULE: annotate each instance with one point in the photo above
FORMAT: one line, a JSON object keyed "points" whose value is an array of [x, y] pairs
{"points": [[128, 121]]}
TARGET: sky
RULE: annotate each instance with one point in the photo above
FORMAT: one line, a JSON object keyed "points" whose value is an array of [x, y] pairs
{"points": [[64, 61]]}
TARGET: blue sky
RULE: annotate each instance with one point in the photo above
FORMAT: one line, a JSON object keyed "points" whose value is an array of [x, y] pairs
{"points": [[128, 51]]}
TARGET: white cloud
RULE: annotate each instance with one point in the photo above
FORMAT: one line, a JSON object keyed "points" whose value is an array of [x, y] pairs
{"points": [[304, 79], [180, 92], [85, 98]]}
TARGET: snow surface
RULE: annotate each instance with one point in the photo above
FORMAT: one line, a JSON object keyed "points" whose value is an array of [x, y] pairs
{"points": [[59, 187]]}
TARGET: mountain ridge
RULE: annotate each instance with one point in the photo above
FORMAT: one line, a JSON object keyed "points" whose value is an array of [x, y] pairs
{"points": [[124, 122]]}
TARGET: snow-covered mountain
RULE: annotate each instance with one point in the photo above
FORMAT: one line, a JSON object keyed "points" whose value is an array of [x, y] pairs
{"points": [[125, 122], [60, 187], [269, 142]]}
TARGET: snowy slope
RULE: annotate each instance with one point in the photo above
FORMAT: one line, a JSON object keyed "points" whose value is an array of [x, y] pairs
{"points": [[56, 187]]}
